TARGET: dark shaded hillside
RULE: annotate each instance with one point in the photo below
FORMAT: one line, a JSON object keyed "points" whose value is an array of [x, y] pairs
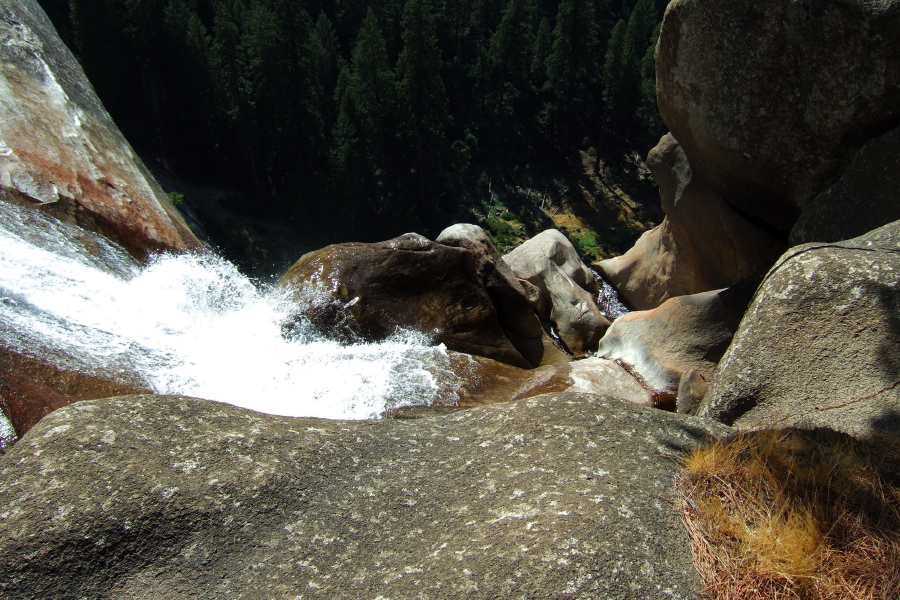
{"points": [[362, 120]]}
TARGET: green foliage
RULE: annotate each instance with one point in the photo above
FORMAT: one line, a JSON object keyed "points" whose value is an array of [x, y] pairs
{"points": [[586, 243], [177, 198], [385, 113], [501, 233]]}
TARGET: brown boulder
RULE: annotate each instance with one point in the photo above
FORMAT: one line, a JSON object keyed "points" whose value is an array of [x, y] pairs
{"points": [[30, 388], [820, 344], [550, 263], [407, 283], [679, 343], [771, 99], [702, 244], [488, 382], [866, 196], [514, 310], [60, 151]]}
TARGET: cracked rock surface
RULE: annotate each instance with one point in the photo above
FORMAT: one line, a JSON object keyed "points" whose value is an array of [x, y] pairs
{"points": [[563, 495], [820, 344]]}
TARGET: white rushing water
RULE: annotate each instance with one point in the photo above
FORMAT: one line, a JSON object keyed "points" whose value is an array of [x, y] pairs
{"points": [[608, 299], [193, 325]]}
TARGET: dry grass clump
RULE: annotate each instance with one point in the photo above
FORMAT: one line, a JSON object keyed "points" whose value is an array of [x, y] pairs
{"points": [[793, 514]]}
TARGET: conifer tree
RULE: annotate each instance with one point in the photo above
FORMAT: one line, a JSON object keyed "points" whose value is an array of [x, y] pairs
{"points": [[616, 67], [371, 98], [542, 47], [570, 67], [422, 96], [421, 90], [508, 57], [648, 111]]}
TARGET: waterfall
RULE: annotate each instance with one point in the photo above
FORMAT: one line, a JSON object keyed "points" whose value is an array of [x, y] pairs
{"points": [[608, 300], [193, 325]]}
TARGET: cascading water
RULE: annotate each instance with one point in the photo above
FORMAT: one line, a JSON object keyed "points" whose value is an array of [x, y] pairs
{"points": [[608, 300], [193, 325]]}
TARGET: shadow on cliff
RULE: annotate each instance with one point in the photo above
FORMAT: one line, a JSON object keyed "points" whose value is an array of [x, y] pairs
{"points": [[887, 359], [888, 350]]}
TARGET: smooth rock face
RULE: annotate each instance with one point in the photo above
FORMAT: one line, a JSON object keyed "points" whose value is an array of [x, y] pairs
{"points": [[820, 344], [61, 152], [701, 245], [549, 262], [683, 335], [771, 99], [566, 495], [865, 197], [408, 282], [487, 382], [514, 310], [31, 388]]}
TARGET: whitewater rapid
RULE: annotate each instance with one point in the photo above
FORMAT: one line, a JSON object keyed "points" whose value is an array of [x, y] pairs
{"points": [[193, 325]]}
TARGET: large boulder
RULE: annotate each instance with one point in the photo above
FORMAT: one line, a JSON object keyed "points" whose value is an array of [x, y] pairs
{"points": [[820, 344], [566, 495], [866, 196], [550, 263], [771, 99], [60, 151], [409, 282], [702, 244], [675, 348], [514, 310], [31, 388], [484, 381]]}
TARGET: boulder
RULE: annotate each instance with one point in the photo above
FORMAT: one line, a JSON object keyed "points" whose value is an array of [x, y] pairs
{"points": [[866, 196], [409, 282], [514, 310], [701, 245], [820, 344], [162, 497], [683, 339], [31, 388], [567, 288], [486, 381], [771, 99], [60, 151]]}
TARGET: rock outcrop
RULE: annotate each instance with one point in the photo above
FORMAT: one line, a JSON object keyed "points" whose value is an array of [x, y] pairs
{"points": [[866, 196], [550, 263], [485, 381], [408, 282], [31, 388], [60, 151], [702, 244], [514, 310], [771, 99], [820, 344], [160, 497], [679, 342]]}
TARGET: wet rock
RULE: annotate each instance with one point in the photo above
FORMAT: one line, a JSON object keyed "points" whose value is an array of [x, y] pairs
{"points": [[514, 310], [702, 244], [409, 282], [772, 99], [488, 382], [684, 334], [60, 151], [31, 387], [820, 344], [567, 288], [866, 196], [160, 497]]}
